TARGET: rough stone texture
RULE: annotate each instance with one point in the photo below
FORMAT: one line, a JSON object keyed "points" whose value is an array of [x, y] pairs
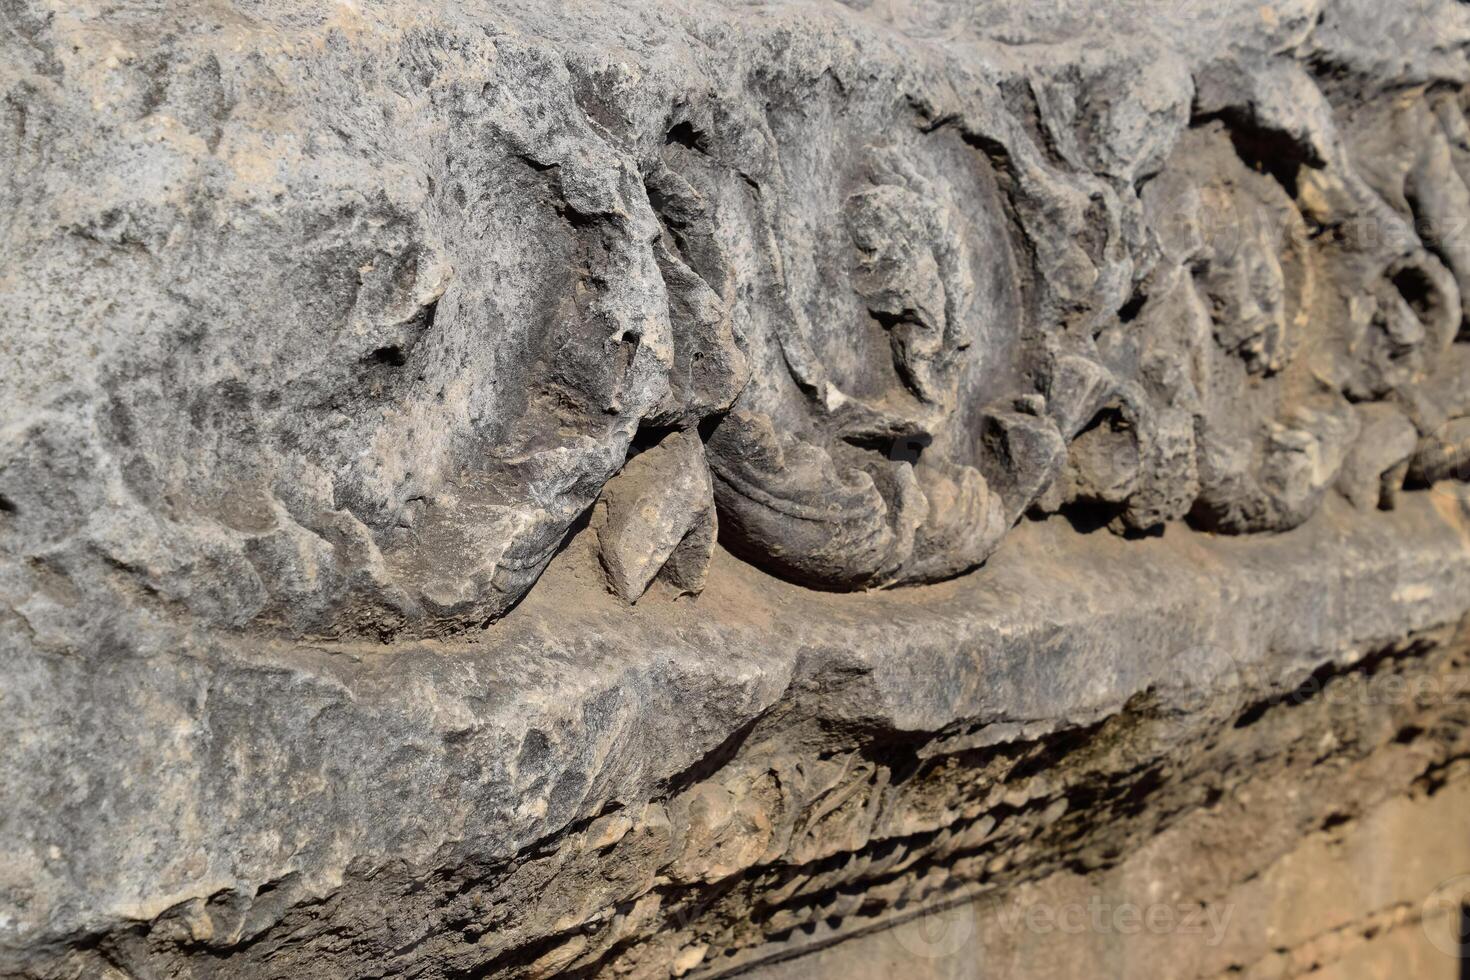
{"points": [[1067, 384], [659, 519], [1361, 894]]}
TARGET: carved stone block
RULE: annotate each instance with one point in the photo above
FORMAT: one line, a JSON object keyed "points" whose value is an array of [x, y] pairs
{"points": [[623, 488]]}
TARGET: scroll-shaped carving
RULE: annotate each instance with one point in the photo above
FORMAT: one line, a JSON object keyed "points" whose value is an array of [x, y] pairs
{"points": [[901, 444], [895, 308]]}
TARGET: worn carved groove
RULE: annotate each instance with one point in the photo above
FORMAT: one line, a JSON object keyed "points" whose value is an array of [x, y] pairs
{"points": [[629, 489]]}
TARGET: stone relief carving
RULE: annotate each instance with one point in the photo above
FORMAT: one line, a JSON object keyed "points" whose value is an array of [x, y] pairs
{"points": [[891, 317], [328, 327]]}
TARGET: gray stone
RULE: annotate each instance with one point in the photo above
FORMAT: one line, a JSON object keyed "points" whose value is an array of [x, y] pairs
{"points": [[335, 326], [659, 519], [965, 393]]}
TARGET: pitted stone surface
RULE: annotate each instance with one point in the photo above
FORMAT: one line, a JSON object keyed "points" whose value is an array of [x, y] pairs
{"points": [[600, 488]]}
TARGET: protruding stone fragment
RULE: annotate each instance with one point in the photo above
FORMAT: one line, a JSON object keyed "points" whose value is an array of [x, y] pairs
{"points": [[659, 518], [1375, 466], [1077, 388], [1028, 453]]}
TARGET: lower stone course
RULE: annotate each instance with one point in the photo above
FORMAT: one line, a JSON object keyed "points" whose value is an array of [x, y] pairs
{"points": [[814, 772], [1366, 892]]}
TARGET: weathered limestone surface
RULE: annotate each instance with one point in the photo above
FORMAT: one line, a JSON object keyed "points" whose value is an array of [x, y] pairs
{"points": [[642, 489], [595, 786], [1361, 894]]}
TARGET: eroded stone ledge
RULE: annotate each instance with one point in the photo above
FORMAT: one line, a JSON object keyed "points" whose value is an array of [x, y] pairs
{"points": [[613, 488], [1339, 863], [589, 788]]}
